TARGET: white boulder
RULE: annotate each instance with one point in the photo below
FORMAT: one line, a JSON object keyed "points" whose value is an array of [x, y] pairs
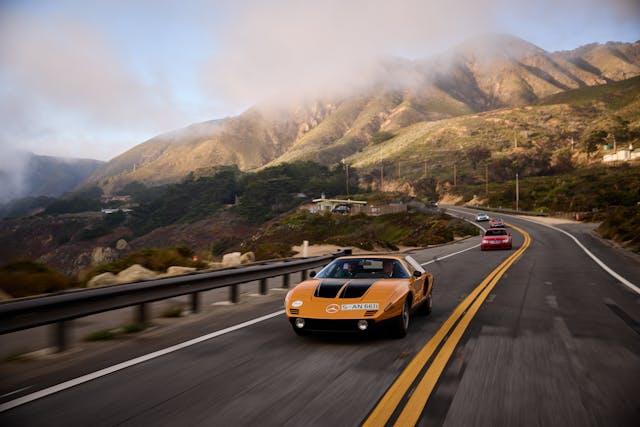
{"points": [[231, 259], [103, 279]]}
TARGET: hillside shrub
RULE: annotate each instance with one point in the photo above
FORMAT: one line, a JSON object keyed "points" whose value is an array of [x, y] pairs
{"points": [[622, 224], [386, 232], [23, 278]]}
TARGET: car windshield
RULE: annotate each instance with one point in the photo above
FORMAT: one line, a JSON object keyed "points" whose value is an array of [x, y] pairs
{"points": [[363, 268], [495, 233]]}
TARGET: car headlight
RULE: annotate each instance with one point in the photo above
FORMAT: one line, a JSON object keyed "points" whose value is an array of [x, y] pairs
{"points": [[299, 322]]}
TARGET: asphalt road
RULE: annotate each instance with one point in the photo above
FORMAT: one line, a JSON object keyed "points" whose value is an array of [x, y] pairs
{"points": [[556, 342]]}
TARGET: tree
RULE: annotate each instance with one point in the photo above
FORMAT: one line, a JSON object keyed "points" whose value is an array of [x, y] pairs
{"points": [[592, 141], [477, 155]]}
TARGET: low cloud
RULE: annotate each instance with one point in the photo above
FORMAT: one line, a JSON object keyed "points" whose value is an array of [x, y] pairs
{"points": [[67, 78], [280, 49], [13, 165]]}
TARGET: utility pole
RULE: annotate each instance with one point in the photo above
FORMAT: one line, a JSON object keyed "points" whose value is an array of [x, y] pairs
{"points": [[347, 169], [486, 180], [455, 173], [517, 194]]}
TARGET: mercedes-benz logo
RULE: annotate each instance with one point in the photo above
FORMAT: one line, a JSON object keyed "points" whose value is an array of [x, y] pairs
{"points": [[332, 308]]}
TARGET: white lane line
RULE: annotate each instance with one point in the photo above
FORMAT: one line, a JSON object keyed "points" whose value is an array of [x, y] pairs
{"points": [[459, 252], [450, 255], [15, 391], [588, 252], [595, 258], [106, 371]]}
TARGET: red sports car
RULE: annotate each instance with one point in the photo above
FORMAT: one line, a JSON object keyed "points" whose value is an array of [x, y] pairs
{"points": [[496, 238]]}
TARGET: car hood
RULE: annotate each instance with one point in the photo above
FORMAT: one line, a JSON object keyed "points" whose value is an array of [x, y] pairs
{"points": [[323, 289]]}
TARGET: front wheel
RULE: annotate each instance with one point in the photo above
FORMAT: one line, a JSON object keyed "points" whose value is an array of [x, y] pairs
{"points": [[401, 325], [427, 305]]}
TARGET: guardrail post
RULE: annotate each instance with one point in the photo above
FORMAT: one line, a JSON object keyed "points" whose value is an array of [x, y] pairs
{"points": [[142, 315], [195, 302], [304, 274], [263, 286], [285, 280], [233, 293], [60, 336]]}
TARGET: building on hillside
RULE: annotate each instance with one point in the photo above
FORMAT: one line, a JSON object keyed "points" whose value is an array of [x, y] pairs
{"points": [[622, 156], [349, 206], [336, 205]]}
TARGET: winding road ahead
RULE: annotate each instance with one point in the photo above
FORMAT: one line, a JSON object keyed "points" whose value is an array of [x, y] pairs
{"points": [[539, 335]]}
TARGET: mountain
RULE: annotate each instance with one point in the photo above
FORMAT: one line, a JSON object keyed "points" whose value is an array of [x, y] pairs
{"points": [[487, 73], [29, 175]]}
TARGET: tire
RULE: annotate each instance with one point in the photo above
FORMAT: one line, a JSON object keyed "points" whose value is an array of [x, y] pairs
{"points": [[427, 305], [401, 324]]}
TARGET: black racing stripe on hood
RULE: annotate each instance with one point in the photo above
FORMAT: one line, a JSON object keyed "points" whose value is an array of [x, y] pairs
{"points": [[329, 288], [356, 288]]}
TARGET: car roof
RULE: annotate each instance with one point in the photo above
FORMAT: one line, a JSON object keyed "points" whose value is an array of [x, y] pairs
{"points": [[379, 256]]}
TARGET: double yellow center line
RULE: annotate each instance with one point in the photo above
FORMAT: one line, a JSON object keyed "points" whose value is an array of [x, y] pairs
{"points": [[446, 339]]}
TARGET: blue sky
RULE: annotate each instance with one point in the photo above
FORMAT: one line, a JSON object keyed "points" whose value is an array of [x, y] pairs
{"points": [[95, 78]]}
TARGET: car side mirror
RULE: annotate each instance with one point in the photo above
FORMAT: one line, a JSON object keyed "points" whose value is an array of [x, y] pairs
{"points": [[312, 274], [417, 274]]}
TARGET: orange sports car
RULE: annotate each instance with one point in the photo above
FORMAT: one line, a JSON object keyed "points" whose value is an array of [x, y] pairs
{"points": [[360, 293]]}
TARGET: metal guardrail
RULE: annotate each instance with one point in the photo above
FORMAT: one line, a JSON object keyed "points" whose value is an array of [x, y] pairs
{"points": [[507, 211], [62, 307]]}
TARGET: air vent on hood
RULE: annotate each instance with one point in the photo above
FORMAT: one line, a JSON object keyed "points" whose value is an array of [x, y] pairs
{"points": [[356, 288], [328, 288]]}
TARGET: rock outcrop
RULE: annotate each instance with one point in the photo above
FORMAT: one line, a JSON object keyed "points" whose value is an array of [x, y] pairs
{"points": [[103, 279], [136, 273]]}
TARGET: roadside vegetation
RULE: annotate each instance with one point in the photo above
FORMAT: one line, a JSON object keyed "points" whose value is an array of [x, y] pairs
{"points": [[155, 259], [384, 232], [586, 190], [23, 278], [622, 224]]}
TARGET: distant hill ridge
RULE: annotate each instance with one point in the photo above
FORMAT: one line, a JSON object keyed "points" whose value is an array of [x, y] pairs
{"points": [[31, 175], [489, 73]]}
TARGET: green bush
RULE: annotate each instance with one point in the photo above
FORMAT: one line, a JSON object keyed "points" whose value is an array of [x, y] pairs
{"points": [[23, 278], [365, 232], [172, 312], [101, 335], [622, 225], [131, 328]]}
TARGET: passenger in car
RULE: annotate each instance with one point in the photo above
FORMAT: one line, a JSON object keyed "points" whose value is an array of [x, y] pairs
{"points": [[387, 268], [348, 270]]}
